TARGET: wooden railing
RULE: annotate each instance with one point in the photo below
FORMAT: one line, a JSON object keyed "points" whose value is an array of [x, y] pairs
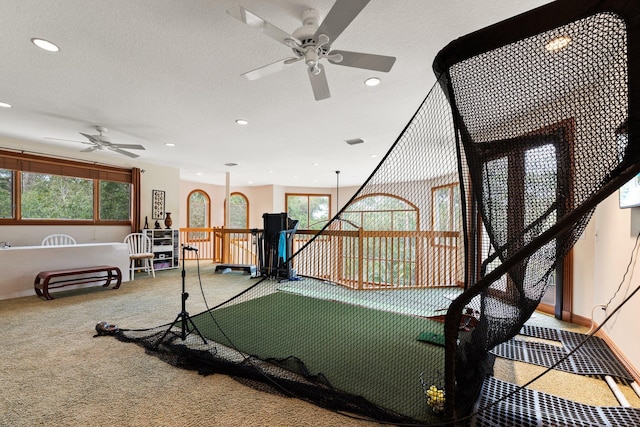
{"points": [[358, 259], [207, 240], [382, 259], [220, 245]]}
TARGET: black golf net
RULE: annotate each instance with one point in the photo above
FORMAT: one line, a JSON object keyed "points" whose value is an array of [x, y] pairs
{"points": [[542, 108], [449, 246]]}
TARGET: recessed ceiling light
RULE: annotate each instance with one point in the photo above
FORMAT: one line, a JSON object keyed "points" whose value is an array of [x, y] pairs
{"points": [[372, 81], [316, 164], [249, 182], [169, 144], [242, 122], [558, 43], [231, 164], [45, 44], [270, 171], [5, 105], [199, 173], [373, 156]]}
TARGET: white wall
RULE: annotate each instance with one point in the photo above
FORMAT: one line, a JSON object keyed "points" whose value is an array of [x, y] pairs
{"points": [[32, 235], [614, 235], [159, 178], [260, 202], [262, 199], [583, 271]]}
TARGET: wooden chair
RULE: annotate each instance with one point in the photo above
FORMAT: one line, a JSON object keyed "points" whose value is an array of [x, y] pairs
{"points": [[140, 248], [58, 240]]}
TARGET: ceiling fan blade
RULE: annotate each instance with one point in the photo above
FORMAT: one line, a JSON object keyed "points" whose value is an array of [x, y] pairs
{"points": [[319, 83], [253, 20], [268, 69], [90, 149], [128, 146], [91, 138], [339, 18], [126, 153], [364, 60], [66, 140]]}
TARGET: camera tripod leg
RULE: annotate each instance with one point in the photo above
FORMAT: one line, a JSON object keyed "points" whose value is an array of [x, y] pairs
{"points": [[157, 343], [184, 319], [195, 328], [183, 316]]}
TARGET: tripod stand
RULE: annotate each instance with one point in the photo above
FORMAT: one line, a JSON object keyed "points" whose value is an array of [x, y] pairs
{"points": [[183, 317]]}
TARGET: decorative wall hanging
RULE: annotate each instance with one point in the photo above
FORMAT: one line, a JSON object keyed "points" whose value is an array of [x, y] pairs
{"points": [[157, 211]]}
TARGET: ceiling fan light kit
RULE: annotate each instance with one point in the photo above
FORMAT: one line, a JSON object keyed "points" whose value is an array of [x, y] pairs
{"points": [[312, 42]]}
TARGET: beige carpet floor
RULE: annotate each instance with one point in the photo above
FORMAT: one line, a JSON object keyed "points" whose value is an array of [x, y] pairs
{"points": [[55, 373]]}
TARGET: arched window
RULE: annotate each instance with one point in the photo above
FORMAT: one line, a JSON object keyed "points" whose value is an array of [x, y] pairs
{"points": [[198, 212], [382, 212], [387, 254], [239, 211]]}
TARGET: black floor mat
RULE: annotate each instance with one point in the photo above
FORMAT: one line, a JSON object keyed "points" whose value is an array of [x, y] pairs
{"points": [[536, 409], [593, 358]]}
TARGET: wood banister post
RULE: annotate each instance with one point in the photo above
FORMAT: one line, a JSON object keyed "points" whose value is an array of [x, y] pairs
{"points": [[360, 258]]}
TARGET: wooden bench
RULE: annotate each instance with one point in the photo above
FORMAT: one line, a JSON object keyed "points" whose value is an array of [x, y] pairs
{"points": [[46, 280]]}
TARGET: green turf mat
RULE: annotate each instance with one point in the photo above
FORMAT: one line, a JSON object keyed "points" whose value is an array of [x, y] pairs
{"points": [[362, 351], [423, 302], [431, 337]]}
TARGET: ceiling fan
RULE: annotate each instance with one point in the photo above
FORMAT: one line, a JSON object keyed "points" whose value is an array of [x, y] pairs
{"points": [[312, 42], [101, 142]]}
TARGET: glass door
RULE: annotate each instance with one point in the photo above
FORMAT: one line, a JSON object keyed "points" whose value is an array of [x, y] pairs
{"points": [[526, 197]]}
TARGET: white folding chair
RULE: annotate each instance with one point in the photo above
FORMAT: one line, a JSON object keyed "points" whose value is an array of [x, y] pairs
{"points": [[58, 240], [140, 248]]}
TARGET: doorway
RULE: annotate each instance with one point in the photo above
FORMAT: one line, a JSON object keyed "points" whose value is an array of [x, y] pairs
{"points": [[526, 184]]}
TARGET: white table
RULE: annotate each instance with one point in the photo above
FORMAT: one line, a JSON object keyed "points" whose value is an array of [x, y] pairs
{"points": [[20, 265]]}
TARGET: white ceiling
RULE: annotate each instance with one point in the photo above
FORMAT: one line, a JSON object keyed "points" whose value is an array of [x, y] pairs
{"points": [[157, 71]]}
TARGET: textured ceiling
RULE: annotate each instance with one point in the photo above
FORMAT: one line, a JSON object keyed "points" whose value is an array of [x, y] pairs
{"points": [[157, 71]]}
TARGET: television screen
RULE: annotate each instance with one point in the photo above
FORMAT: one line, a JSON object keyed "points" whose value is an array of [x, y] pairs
{"points": [[630, 193]]}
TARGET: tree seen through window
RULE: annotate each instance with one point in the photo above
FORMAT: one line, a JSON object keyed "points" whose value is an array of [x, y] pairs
{"points": [[47, 196], [198, 214], [239, 211], [382, 212], [198, 210], [6, 193], [115, 200], [311, 210]]}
